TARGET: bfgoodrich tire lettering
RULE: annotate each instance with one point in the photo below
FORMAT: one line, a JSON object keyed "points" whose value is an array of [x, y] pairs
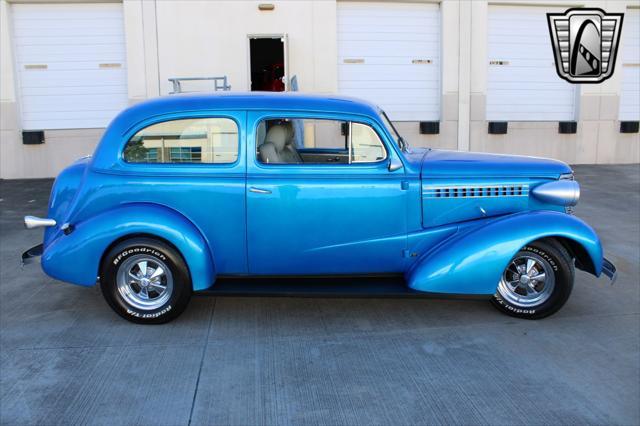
{"points": [[521, 296], [145, 281]]}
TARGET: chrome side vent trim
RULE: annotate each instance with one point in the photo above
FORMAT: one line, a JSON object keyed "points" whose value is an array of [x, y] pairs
{"points": [[477, 191]]}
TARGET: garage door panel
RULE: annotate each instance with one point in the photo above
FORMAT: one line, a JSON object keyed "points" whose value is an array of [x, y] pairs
{"points": [[75, 26], [407, 22], [394, 87], [541, 115], [387, 36], [534, 98], [384, 47], [46, 78], [106, 89], [384, 60], [526, 86], [65, 120], [403, 98], [69, 39], [377, 72], [528, 75], [78, 50], [69, 103], [81, 66], [95, 56], [388, 39], [31, 52]]}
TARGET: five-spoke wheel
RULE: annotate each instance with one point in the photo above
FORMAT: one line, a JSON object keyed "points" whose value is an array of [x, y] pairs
{"points": [[537, 281], [145, 280]]}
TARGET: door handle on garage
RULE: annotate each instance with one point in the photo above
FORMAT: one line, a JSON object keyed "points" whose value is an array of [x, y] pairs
{"points": [[259, 190]]}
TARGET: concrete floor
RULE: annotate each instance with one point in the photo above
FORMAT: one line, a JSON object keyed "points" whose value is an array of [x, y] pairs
{"points": [[66, 358]]}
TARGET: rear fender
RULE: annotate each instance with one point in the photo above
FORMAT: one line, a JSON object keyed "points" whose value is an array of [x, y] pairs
{"points": [[76, 257], [472, 262]]}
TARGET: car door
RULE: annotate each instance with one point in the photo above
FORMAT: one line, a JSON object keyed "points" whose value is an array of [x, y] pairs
{"points": [[313, 215]]}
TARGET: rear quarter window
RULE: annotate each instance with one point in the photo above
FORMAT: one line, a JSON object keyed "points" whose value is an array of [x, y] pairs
{"points": [[193, 140]]}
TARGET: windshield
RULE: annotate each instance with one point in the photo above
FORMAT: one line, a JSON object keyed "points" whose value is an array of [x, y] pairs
{"points": [[402, 144]]}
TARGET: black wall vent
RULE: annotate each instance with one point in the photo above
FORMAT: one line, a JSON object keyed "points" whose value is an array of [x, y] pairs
{"points": [[33, 137], [498, 127], [629, 126], [567, 127], [429, 127]]}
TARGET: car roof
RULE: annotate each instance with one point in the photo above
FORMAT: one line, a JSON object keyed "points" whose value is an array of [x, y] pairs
{"points": [[110, 145], [252, 101]]}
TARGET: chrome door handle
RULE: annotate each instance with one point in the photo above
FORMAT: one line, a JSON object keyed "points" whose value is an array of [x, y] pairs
{"points": [[259, 190]]}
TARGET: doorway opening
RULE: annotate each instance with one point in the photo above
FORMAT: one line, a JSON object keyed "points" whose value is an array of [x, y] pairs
{"points": [[267, 62]]}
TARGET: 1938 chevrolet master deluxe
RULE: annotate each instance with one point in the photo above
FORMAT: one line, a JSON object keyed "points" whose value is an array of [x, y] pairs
{"points": [[186, 189]]}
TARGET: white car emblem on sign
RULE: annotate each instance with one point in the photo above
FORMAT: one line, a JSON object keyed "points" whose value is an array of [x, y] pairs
{"points": [[585, 43]]}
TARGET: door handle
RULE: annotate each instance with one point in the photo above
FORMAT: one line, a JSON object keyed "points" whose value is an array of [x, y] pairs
{"points": [[259, 190]]}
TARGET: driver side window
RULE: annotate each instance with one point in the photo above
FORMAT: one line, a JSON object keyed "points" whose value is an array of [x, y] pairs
{"points": [[317, 141]]}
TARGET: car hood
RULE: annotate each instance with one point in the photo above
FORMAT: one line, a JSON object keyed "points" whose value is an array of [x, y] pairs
{"points": [[440, 163]]}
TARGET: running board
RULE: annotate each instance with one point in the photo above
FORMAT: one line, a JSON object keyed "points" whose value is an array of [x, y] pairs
{"points": [[328, 287]]}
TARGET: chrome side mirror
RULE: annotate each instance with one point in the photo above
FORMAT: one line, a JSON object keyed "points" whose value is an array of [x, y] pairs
{"points": [[394, 164]]}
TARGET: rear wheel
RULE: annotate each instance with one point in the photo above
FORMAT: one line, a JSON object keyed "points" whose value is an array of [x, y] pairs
{"points": [[145, 281], [537, 282]]}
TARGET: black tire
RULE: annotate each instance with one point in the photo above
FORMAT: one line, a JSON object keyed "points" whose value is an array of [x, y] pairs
{"points": [[562, 267], [153, 250]]}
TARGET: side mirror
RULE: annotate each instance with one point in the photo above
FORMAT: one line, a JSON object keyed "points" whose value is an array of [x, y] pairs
{"points": [[394, 164]]}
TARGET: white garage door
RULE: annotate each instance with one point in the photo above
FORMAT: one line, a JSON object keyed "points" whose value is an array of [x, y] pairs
{"points": [[522, 81], [71, 64], [630, 97], [389, 54]]}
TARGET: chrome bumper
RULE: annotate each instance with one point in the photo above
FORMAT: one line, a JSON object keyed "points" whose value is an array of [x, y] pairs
{"points": [[32, 254], [609, 269], [31, 222]]}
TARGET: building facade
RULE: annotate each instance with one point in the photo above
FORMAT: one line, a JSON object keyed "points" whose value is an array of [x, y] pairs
{"points": [[443, 70]]}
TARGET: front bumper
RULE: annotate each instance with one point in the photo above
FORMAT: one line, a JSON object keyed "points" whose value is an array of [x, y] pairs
{"points": [[32, 254], [609, 269]]}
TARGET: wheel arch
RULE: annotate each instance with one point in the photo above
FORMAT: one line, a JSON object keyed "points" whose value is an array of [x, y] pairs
{"points": [[132, 236], [577, 251], [93, 237], [472, 261]]}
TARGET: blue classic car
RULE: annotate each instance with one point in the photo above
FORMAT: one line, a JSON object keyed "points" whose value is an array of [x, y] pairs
{"points": [[185, 190]]}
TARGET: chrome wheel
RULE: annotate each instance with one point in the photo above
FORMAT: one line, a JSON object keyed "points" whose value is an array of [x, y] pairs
{"points": [[144, 282], [528, 281]]}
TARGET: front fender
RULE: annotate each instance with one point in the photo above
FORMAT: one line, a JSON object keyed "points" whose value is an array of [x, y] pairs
{"points": [[472, 262], [75, 258]]}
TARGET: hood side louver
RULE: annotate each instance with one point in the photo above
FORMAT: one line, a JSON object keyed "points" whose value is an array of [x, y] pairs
{"points": [[477, 191]]}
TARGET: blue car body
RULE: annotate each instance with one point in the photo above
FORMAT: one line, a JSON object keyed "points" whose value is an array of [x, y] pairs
{"points": [[439, 219]]}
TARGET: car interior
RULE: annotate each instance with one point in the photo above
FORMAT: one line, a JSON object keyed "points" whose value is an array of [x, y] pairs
{"points": [[310, 141]]}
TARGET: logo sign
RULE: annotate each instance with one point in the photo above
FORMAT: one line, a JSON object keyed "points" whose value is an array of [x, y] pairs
{"points": [[585, 43]]}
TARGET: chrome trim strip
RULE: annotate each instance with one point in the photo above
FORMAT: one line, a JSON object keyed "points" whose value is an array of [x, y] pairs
{"points": [[31, 222]]}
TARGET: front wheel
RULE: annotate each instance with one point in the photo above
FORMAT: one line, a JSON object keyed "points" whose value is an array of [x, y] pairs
{"points": [[537, 282], [145, 281]]}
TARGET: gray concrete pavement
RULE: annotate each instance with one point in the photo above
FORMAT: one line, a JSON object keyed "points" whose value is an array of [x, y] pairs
{"points": [[66, 358]]}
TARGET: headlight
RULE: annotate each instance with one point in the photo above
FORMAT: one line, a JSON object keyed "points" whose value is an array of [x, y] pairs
{"points": [[559, 192]]}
